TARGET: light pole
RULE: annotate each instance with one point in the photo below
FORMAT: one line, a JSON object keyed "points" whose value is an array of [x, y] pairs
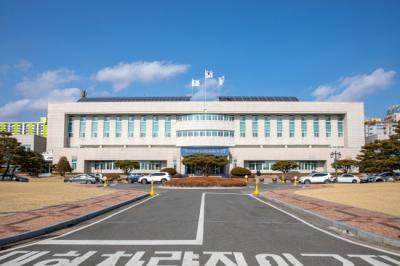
{"points": [[335, 155]]}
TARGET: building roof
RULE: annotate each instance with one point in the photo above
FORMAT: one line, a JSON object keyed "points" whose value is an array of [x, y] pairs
{"points": [[136, 99], [257, 99]]}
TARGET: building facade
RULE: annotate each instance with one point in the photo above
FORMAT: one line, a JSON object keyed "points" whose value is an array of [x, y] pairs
{"points": [[26, 128], [253, 132], [32, 142], [376, 129]]}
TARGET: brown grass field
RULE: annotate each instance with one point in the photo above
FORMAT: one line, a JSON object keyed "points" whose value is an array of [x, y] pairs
{"points": [[42, 192], [379, 197], [209, 181]]}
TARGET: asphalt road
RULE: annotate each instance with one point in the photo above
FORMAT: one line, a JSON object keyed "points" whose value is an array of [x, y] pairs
{"points": [[197, 227]]}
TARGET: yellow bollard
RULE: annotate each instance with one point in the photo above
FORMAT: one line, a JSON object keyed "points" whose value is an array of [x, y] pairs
{"points": [[105, 184], [152, 193], [295, 180], [247, 179], [256, 191]]}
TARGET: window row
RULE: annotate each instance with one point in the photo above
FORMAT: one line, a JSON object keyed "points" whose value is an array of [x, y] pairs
{"points": [[143, 165], [267, 165], [205, 117], [205, 133]]}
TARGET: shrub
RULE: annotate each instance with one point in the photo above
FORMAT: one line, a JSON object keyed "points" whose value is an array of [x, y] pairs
{"points": [[240, 171], [112, 176], [170, 171], [206, 182]]}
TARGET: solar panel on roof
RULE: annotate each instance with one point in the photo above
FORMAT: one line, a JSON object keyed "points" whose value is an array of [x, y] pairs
{"points": [[136, 99], [257, 99]]}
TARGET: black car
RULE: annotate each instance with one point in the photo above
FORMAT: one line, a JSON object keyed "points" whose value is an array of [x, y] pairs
{"points": [[16, 178]]}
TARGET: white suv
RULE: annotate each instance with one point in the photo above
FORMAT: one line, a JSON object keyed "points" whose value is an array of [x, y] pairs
{"points": [[155, 177], [316, 178]]}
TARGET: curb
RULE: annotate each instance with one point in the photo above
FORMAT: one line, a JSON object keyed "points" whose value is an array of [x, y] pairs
{"points": [[347, 229], [51, 228]]}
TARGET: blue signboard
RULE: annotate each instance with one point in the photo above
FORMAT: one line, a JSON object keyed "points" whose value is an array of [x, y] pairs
{"points": [[220, 151]]}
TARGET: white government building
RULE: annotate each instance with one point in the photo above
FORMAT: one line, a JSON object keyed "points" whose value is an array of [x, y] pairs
{"points": [[253, 132]]}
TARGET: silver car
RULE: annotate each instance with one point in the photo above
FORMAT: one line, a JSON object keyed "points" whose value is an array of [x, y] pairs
{"points": [[83, 179]]}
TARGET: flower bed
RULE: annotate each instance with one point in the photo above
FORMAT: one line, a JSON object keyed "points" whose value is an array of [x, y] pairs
{"points": [[204, 181]]}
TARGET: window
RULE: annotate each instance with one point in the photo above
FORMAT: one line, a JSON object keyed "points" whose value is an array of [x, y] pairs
{"points": [[203, 117], [150, 165], [167, 125], [130, 126], [267, 126], [94, 127], [155, 126], [205, 133], [118, 126], [82, 126], [74, 164], [307, 165], [242, 126], [106, 127], [316, 126], [143, 126], [303, 126], [279, 126], [70, 127], [328, 126], [254, 126], [260, 165], [340, 126], [291, 126]]}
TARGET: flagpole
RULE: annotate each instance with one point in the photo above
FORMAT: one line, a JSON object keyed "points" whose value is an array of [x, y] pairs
{"points": [[205, 90], [192, 88]]}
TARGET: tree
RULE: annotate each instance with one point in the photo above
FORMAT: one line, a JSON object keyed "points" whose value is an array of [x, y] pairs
{"points": [[127, 165], [8, 149], [345, 165], [171, 171], [63, 166], [33, 163], [19, 158], [204, 162], [381, 155], [240, 171], [284, 166]]}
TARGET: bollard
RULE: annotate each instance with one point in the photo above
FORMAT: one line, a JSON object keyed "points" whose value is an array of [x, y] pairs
{"points": [[105, 184], [256, 191], [295, 180], [152, 193], [247, 179]]}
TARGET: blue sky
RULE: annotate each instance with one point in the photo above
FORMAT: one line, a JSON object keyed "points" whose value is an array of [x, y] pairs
{"points": [[315, 50]]}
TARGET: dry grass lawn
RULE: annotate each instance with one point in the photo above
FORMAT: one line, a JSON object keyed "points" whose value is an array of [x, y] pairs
{"points": [[380, 197], [41, 192]]}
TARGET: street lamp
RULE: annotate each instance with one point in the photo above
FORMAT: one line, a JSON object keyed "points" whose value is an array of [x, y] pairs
{"points": [[335, 155]]}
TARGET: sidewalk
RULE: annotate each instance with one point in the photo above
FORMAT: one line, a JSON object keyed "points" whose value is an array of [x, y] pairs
{"points": [[12, 224], [370, 221]]}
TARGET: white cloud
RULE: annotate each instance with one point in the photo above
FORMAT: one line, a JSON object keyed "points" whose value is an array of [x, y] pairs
{"points": [[13, 109], [123, 75], [23, 65], [356, 87], [46, 82], [211, 90]]}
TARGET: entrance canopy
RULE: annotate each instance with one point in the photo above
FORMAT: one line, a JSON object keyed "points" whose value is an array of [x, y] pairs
{"points": [[220, 151]]}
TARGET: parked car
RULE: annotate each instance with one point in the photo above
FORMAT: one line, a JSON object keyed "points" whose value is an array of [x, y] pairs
{"points": [[347, 178], [155, 177], [384, 177], [14, 178], [83, 178], [316, 178], [134, 177]]}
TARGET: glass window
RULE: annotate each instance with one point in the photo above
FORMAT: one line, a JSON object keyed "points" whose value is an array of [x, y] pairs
{"points": [[94, 127], [74, 164], [242, 126], [316, 126], [155, 126], [291, 126], [267, 126], [106, 127], [118, 126], [82, 126], [130, 126], [143, 126], [70, 126], [167, 125], [279, 126], [307, 165], [328, 126], [304, 126], [340, 126], [254, 125]]}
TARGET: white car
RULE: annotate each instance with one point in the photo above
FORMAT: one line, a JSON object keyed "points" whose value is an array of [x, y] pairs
{"points": [[155, 177], [347, 178], [316, 178]]}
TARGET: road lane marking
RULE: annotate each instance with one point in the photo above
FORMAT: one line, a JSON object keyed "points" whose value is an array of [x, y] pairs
{"points": [[322, 230]]}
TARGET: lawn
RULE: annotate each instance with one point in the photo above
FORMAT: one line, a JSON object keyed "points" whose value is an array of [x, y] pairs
{"points": [[41, 192], [380, 197]]}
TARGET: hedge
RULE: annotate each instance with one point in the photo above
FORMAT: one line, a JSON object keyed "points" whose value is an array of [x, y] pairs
{"points": [[171, 171], [240, 171]]}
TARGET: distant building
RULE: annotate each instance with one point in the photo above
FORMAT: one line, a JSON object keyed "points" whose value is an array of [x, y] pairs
{"points": [[26, 128], [376, 129], [374, 126], [32, 142], [391, 119]]}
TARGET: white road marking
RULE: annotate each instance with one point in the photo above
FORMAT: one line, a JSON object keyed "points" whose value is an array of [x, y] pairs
{"points": [[324, 231]]}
